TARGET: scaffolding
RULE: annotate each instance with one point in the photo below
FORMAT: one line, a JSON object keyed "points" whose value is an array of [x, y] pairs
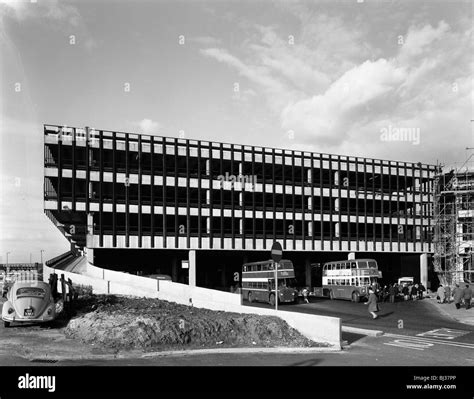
{"points": [[453, 217]]}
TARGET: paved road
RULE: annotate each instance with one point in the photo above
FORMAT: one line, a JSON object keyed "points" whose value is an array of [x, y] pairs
{"points": [[408, 318], [426, 338]]}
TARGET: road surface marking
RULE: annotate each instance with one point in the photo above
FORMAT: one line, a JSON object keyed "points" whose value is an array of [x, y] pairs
{"points": [[431, 340], [445, 333], [408, 344]]}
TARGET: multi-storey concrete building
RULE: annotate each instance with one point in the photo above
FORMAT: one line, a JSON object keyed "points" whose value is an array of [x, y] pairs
{"points": [[141, 203]]}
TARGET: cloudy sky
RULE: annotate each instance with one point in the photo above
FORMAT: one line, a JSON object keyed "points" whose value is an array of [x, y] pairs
{"points": [[322, 76]]}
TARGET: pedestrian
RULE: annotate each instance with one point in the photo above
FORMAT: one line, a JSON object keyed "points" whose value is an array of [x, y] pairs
{"points": [[384, 294], [441, 293], [467, 296], [414, 292], [405, 292], [392, 292], [458, 294], [421, 290], [305, 294], [448, 293], [372, 303]]}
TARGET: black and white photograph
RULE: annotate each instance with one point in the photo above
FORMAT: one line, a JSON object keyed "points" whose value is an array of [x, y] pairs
{"points": [[236, 196]]}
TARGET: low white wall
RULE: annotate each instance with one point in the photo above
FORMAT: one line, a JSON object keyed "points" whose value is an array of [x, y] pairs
{"points": [[119, 277], [317, 328], [98, 286]]}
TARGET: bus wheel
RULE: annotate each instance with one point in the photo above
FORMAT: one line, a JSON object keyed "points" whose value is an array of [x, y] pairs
{"points": [[331, 295], [355, 297], [271, 300], [6, 324], [250, 297]]}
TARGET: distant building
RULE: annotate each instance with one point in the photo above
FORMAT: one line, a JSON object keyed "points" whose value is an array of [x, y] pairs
{"points": [[196, 210]]}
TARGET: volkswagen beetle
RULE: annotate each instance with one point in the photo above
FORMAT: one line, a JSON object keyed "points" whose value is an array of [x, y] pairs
{"points": [[28, 302]]}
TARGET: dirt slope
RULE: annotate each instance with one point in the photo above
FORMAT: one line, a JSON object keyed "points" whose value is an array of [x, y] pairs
{"points": [[152, 324]]}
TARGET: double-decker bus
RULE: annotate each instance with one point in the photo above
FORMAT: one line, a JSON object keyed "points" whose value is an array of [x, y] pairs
{"points": [[258, 281], [348, 279]]}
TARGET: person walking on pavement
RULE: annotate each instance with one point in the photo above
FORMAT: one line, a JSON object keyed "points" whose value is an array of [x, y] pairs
{"points": [[467, 296], [447, 291], [405, 292], [414, 292], [458, 294], [421, 290], [372, 303], [392, 292], [441, 293], [305, 294]]}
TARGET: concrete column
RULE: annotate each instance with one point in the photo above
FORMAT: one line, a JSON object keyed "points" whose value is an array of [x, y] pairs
{"points": [[90, 223], [336, 178], [192, 268], [310, 229], [90, 255], [174, 269], [418, 232], [424, 270], [307, 269]]}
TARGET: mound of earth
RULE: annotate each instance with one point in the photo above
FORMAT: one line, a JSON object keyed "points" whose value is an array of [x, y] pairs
{"points": [[152, 324]]}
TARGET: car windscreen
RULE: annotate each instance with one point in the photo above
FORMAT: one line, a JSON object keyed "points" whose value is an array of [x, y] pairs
{"points": [[30, 292]]}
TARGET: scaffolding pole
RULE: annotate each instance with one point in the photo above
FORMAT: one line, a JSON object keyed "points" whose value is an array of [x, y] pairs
{"points": [[453, 216]]}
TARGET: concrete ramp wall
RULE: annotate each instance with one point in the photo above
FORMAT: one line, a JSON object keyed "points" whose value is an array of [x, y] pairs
{"points": [[102, 281]]}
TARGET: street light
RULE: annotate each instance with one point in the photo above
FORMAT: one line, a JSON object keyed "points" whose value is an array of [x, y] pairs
{"points": [[41, 251], [8, 271]]}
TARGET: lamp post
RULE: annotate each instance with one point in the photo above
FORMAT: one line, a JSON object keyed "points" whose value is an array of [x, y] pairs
{"points": [[8, 268], [41, 252], [276, 253]]}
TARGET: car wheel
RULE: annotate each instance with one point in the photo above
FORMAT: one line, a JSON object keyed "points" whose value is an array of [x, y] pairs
{"points": [[355, 297], [271, 300], [250, 297], [6, 324]]}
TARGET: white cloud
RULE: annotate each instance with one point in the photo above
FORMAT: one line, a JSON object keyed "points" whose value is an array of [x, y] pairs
{"points": [[419, 40], [327, 116], [148, 126], [58, 14], [334, 87]]}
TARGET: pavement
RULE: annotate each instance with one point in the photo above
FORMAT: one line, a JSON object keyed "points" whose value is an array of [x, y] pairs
{"points": [[407, 333], [462, 315]]}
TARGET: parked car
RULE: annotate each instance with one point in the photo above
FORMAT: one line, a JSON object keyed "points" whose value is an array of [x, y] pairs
{"points": [[29, 302], [160, 277]]}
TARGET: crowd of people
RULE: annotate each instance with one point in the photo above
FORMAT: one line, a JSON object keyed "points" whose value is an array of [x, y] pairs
{"points": [[461, 294], [406, 292]]}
